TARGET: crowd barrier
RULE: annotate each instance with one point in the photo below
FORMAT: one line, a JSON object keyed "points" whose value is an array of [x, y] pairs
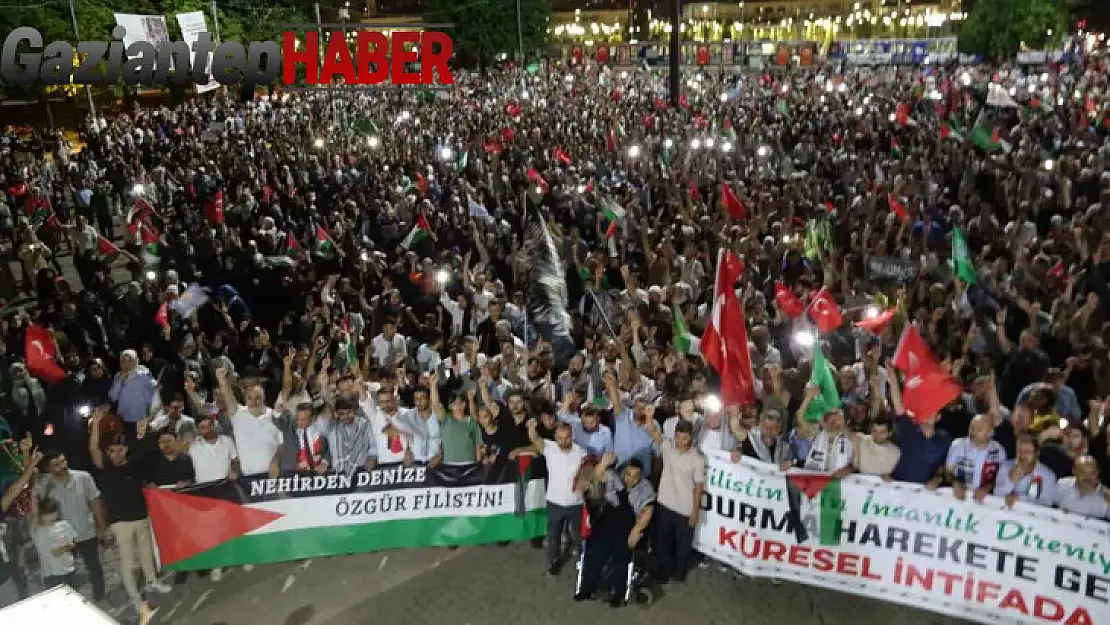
{"points": [[904, 544]]}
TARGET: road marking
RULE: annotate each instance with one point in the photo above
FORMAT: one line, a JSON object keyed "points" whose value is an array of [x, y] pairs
{"points": [[201, 599], [169, 615], [289, 581], [381, 565], [307, 563]]}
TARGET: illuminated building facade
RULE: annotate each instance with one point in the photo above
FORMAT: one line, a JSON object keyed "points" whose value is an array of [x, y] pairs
{"points": [[594, 23]]}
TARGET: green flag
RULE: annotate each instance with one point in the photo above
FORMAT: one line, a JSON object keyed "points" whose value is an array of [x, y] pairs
{"points": [[986, 138], [684, 341], [464, 157], [365, 126], [962, 264], [533, 67], [818, 237], [822, 377]]}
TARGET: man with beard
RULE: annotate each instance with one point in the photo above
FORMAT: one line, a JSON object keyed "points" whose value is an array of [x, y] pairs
{"points": [[575, 378], [680, 489], [421, 424], [121, 481], [765, 443], [351, 437], [629, 503], [632, 436], [564, 501], [256, 436], [589, 432]]}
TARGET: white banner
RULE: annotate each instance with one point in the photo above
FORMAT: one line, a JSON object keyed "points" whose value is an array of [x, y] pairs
{"points": [[902, 543], [192, 25], [149, 28]]}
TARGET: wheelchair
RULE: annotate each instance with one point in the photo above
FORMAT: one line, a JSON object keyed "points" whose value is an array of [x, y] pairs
{"points": [[643, 590]]}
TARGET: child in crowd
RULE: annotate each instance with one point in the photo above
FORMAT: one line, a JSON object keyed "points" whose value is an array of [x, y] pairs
{"points": [[54, 541]]}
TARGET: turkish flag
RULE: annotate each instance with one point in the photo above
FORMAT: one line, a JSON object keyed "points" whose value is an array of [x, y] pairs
{"points": [[724, 345], [788, 302], [732, 203], [214, 209], [40, 351], [902, 114], [928, 388], [824, 312], [879, 323]]}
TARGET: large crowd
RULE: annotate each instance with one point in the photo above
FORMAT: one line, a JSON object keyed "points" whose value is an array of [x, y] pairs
{"points": [[324, 281]]}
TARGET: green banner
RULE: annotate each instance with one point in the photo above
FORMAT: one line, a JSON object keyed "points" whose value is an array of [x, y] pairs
{"points": [[255, 520]]}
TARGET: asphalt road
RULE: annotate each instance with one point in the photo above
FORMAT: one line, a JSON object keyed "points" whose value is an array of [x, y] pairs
{"points": [[482, 585]]}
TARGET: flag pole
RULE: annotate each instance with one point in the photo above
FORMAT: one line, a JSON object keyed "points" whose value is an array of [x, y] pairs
{"points": [[601, 311]]}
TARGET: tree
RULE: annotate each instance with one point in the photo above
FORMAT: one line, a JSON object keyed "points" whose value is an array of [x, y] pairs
{"points": [[486, 28], [997, 29]]}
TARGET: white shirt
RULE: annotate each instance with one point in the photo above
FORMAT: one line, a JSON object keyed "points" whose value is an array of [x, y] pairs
{"points": [[978, 467], [464, 364], [562, 468], [385, 350], [379, 421], [1093, 504], [257, 439], [161, 421], [212, 460], [428, 358], [426, 438], [46, 538]]}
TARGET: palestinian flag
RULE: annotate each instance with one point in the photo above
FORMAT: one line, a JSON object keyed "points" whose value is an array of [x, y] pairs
{"points": [[323, 240], [951, 130], [278, 262], [106, 247], [684, 341], [38, 209], [422, 230], [612, 213], [524, 470], [246, 521], [815, 506], [292, 247], [895, 148], [988, 139], [665, 158]]}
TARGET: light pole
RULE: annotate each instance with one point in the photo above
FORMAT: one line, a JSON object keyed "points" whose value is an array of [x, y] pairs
{"points": [[676, 50], [519, 33], [88, 88]]}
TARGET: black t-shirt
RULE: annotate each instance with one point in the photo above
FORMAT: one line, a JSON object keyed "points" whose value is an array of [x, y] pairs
{"points": [[165, 472], [516, 434], [121, 488]]}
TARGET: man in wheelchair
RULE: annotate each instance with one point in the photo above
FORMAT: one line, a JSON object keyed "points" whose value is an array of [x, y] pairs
{"points": [[618, 521]]}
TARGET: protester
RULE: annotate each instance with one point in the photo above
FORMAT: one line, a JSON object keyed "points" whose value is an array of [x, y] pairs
{"points": [[350, 279]]}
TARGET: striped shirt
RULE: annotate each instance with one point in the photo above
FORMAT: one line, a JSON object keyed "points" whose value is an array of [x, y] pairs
{"points": [[351, 444]]}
